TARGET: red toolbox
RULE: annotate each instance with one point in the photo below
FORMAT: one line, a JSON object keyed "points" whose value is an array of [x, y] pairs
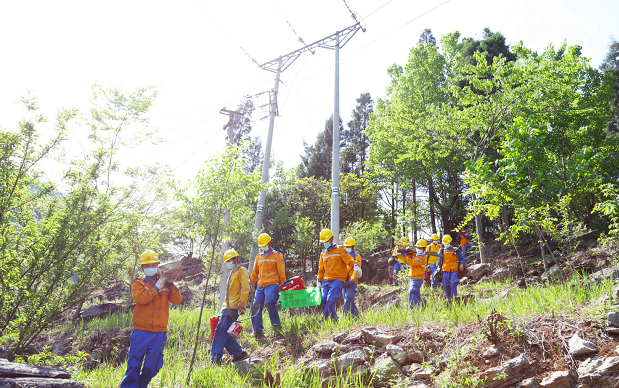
{"points": [[292, 284]]}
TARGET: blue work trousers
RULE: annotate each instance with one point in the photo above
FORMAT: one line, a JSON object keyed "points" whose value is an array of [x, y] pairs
{"points": [[468, 246], [331, 291], [224, 340], [450, 284], [414, 293], [349, 300], [147, 347], [433, 268], [268, 296]]}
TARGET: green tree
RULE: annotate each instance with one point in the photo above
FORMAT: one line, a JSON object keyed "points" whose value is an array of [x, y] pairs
{"points": [[610, 65], [357, 144], [317, 160]]}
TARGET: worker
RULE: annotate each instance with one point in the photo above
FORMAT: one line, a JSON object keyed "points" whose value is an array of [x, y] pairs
{"points": [[417, 261], [152, 295], [432, 266], [333, 269], [350, 285], [237, 292], [465, 242], [268, 273], [398, 264], [451, 261]]}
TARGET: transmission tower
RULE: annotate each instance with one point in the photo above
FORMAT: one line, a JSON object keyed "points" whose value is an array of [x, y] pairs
{"points": [[332, 42]]}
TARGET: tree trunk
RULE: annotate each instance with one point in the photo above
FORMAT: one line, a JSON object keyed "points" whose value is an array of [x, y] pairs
{"points": [[480, 235], [393, 231], [404, 212], [431, 200], [541, 247], [505, 227], [414, 211]]}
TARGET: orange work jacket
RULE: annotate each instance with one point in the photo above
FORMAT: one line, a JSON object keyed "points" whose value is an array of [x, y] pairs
{"points": [[351, 271], [450, 260], [334, 264], [416, 262], [269, 269], [151, 309]]}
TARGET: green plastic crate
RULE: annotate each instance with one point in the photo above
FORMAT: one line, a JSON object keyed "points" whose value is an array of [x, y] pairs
{"points": [[301, 298]]}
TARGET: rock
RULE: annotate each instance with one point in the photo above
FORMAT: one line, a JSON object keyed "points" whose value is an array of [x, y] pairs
{"points": [[560, 379], [384, 368], [39, 382], [514, 368], [397, 353], [101, 310], [599, 372], [477, 271], [580, 347], [373, 336], [534, 280], [613, 319], [484, 279], [491, 352], [612, 330], [418, 385], [326, 349], [187, 295], [607, 274], [339, 338], [415, 366], [243, 365], [521, 282], [323, 367], [553, 273], [354, 358], [529, 383], [354, 337], [415, 355], [466, 280], [501, 273], [13, 369], [423, 373]]}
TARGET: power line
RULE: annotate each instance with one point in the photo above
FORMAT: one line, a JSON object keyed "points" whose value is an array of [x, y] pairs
{"points": [[226, 31], [351, 12], [371, 13], [290, 25]]}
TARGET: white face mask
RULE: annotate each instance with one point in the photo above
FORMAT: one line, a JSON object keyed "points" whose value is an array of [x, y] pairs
{"points": [[447, 245], [326, 244], [264, 248], [419, 251], [150, 271], [436, 242], [229, 265], [348, 250]]}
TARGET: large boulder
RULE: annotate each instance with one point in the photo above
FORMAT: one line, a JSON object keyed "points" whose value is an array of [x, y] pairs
{"points": [[101, 310], [607, 274], [613, 319], [477, 271], [599, 372], [501, 273], [529, 383]]}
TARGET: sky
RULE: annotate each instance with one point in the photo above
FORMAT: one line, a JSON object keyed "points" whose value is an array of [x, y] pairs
{"points": [[197, 53]]}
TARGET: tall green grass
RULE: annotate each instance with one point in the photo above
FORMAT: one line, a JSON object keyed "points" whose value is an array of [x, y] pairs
{"points": [[559, 299]]}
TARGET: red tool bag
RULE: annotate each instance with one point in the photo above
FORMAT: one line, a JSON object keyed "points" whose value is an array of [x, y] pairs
{"points": [[295, 283], [214, 322]]}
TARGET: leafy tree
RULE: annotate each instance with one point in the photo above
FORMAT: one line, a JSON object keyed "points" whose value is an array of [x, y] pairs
{"points": [[427, 37], [357, 144], [610, 65], [317, 161]]}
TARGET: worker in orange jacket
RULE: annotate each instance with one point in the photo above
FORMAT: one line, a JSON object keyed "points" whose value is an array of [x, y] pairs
{"points": [[269, 272], [451, 261], [466, 245], [350, 285], [417, 261], [235, 300], [432, 265], [332, 272], [152, 295], [398, 255]]}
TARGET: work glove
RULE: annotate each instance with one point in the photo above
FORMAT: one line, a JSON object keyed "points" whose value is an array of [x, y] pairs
{"points": [[347, 283], [318, 283], [161, 282], [358, 271], [241, 307], [461, 267]]}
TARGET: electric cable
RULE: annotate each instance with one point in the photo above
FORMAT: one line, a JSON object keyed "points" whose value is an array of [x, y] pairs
{"points": [[226, 31], [287, 22], [193, 153], [371, 13], [351, 12]]}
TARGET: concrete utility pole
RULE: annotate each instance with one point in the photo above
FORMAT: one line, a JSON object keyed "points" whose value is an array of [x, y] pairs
{"points": [[335, 162], [226, 245], [277, 66]]}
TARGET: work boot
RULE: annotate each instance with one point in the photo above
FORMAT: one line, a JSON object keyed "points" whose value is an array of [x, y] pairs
{"points": [[240, 357], [258, 334], [277, 329]]}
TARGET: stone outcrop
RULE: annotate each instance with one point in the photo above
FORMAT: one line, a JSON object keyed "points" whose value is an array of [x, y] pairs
{"points": [[559, 379], [599, 372], [515, 369], [14, 375], [580, 347]]}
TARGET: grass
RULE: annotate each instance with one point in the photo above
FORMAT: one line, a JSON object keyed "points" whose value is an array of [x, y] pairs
{"points": [[558, 299]]}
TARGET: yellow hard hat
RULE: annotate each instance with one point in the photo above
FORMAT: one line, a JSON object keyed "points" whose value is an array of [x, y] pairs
{"points": [[435, 236], [148, 257], [404, 240], [230, 254], [447, 239], [263, 240], [350, 242], [422, 244], [325, 235]]}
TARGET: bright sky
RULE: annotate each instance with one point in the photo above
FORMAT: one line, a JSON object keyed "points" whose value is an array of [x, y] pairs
{"points": [[190, 50]]}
